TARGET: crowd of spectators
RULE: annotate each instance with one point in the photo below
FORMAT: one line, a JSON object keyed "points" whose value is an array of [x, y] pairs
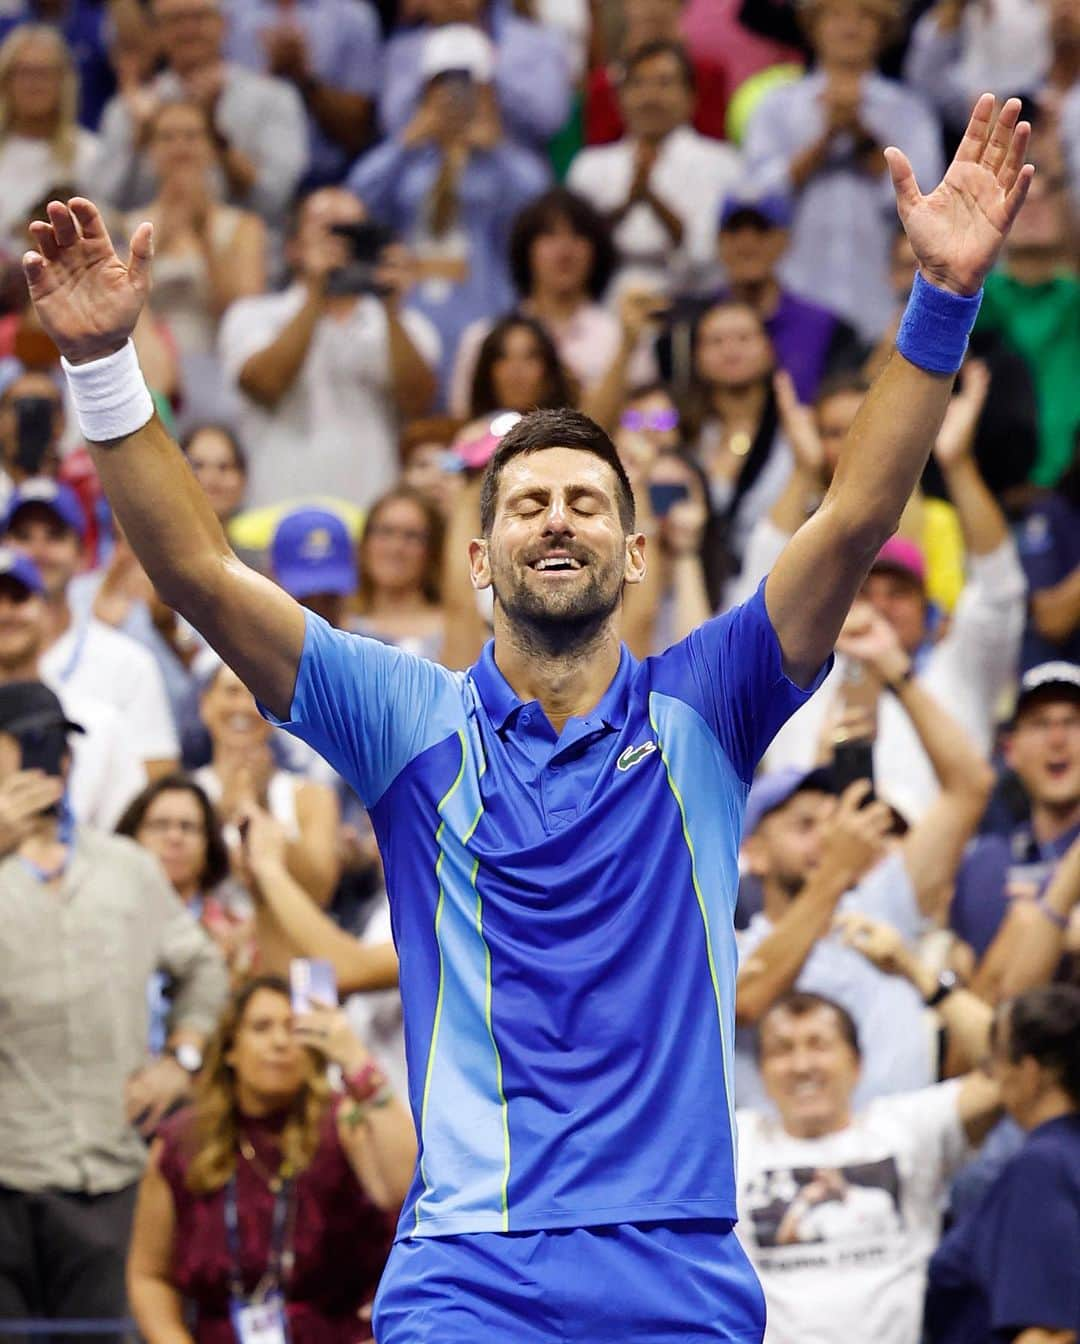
{"points": [[383, 230]]}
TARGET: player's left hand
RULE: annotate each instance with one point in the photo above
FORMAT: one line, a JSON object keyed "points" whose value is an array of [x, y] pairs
{"points": [[958, 229]]}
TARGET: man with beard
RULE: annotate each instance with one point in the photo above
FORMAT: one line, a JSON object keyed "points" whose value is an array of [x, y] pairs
{"points": [[560, 823]]}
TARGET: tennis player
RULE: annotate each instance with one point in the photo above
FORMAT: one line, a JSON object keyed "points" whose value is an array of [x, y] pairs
{"points": [[560, 823]]}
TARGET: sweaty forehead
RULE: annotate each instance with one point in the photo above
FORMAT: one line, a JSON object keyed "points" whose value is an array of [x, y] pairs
{"points": [[557, 470]]}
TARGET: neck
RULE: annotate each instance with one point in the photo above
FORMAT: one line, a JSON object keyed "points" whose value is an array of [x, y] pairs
{"points": [[762, 295], [58, 618], [565, 681], [656, 140], [775, 899], [42, 842], [1052, 1106], [839, 67], [35, 128], [554, 305], [1033, 266], [188, 891], [1064, 66], [1050, 822], [23, 669], [817, 1129], [255, 1104], [397, 602], [740, 406]]}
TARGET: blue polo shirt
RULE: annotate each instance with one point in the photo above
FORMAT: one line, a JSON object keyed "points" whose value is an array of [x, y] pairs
{"points": [[562, 907]]}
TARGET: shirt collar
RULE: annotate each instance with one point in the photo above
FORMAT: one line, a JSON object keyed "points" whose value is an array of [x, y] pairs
{"points": [[501, 702], [1026, 849]]}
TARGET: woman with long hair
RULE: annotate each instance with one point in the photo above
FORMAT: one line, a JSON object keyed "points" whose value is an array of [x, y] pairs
{"points": [[399, 599], [269, 1189], [41, 142], [220, 464], [518, 369]]}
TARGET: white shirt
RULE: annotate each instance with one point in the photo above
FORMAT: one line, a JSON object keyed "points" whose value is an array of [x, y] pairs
{"points": [[29, 168], [334, 432], [93, 659], [967, 672], [106, 774], [692, 175], [857, 1270], [376, 1016]]}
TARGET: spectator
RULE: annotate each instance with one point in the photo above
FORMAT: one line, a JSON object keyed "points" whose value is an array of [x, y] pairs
{"points": [[312, 557], [41, 142], [528, 74], [105, 771], [259, 129], [84, 26], [30, 431], [401, 551], [1050, 553], [266, 1141], [242, 772], [428, 466], [662, 184], [561, 259], [734, 426], [842, 1204], [1043, 751], [518, 369], [820, 139], [450, 184], [966, 664], [647, 21], [87, 918], [44, 521], [327, 364], [220, 464], [1008, 1270], [330, 53], [206, 255], [813, 858]]}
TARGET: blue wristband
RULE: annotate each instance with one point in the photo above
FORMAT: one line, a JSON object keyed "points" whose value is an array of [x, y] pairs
{"points": [[934, 330]]}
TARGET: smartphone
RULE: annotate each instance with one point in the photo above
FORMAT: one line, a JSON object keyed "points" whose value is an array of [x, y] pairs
{"points": [[366, 240], [664, 495], [853, 761], [35, 418], [311, 978]]}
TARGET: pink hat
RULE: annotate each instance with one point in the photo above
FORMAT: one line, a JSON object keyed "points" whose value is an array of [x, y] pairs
{"points": [[899, 553]]}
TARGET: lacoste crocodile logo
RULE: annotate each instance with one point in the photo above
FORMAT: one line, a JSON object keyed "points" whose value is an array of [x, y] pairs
{"points": [[634, 756]]}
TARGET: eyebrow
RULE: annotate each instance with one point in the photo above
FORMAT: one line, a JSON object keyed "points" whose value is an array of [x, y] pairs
{"points": [[544, 492]]}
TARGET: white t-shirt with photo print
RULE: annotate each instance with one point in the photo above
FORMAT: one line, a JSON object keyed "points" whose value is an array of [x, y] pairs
{"points": [[840, 1228]]}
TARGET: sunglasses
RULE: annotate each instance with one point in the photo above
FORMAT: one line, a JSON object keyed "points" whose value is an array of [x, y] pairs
{"points": [[658, 421]]}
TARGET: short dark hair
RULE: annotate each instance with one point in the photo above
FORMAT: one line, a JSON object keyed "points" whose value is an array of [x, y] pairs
{"points": [[801, 1003], [240, 457], [841, 383], [1044, 1025], [216, 867], [558, 206], [661, 46], [556, 390], [562, 428]]}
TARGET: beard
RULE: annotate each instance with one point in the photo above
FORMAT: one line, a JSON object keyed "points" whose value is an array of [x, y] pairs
{"points": [[566, 620]]}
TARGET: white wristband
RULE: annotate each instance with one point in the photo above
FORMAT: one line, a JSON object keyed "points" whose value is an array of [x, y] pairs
{"points": [[110, 395]]}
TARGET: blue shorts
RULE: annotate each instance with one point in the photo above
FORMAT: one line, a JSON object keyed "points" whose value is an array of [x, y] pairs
{"points": [[683, 1282]]}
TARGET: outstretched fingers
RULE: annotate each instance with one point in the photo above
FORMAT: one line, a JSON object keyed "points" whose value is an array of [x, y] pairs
{"points": [[44, 239], [89, 218], [1014, 159], [141, 254], [64, 226], [978, 130], [903, 180], [1018, 194], [1001, 136]]}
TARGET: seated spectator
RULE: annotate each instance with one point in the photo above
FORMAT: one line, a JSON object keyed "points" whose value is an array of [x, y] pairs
{"points": [[518, 369], [966, 663], [327, 364], [1050, 553], [399, 599], [85, 27], [41, 142], [734, 428], [561, 258], [841, 1203], [88, 917], [220, 464], [450, 185], [529, 74], [265, 1141], [330, 53], [242, 771], [259, 128], [814, 857], [44, 521], [647, 21], [313, 558], [206, 255], [1008, 1270], [1042, 750], [427, 464], [105, 771], [662, 184], [819, 141]]}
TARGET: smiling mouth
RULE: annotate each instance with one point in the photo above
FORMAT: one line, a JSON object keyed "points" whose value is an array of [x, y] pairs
{"points": [[556, 564]]}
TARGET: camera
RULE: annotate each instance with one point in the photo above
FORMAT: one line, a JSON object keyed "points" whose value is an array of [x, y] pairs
{"points": [[35, 419], [366, 240]]}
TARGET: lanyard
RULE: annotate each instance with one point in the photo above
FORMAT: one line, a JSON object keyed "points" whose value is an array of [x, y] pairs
{"points": [[280, 1263]]}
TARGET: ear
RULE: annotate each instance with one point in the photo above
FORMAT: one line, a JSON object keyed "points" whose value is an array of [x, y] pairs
{"points": [[635, 568], [479, 563], [756, 856]]}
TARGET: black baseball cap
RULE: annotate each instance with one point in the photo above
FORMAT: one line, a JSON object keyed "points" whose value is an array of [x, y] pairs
{"points": [[26, 706], [1057, 680]]}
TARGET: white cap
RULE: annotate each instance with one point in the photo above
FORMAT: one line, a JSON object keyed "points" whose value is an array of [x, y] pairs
{"points": [[457, 46]]}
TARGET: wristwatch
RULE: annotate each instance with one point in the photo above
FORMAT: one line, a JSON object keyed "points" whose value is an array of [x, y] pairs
{"points": [[947, 981], [188, 1056]]}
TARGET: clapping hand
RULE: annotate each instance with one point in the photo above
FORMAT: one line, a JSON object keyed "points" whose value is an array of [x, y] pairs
{"points": [[869, 638], [800, 429], [956, 437]]}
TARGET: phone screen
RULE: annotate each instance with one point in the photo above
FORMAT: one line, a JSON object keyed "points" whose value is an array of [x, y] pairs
{"points": [[311, 978], [853, 761], [664, 495]]}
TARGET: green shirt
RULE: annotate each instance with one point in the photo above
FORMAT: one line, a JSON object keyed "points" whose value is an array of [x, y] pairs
{"points": [[1042, 324]]}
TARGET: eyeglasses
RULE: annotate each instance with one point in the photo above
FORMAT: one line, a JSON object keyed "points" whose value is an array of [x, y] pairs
{"points": [[387, 532], [190, 830], [658, 421]]}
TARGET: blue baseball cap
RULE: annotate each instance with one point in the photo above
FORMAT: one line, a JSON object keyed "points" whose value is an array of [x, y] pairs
{"points": [[312, 552], [15, 565], [773, 208], [774, 789], [49, 494]]}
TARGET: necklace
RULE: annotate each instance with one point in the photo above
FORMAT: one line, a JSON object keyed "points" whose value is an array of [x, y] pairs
{"points": [[739, 443], [274, 1180]]}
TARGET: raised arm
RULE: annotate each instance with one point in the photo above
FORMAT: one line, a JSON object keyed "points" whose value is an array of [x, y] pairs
{"points": [[956, 232], [88, 302]]}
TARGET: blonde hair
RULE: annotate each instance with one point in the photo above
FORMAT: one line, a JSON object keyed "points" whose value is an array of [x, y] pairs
{"points": [[64, 136], [214, 1136]]}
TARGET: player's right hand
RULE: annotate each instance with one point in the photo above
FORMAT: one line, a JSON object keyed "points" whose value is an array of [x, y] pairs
{"points": [[85, 297]]}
